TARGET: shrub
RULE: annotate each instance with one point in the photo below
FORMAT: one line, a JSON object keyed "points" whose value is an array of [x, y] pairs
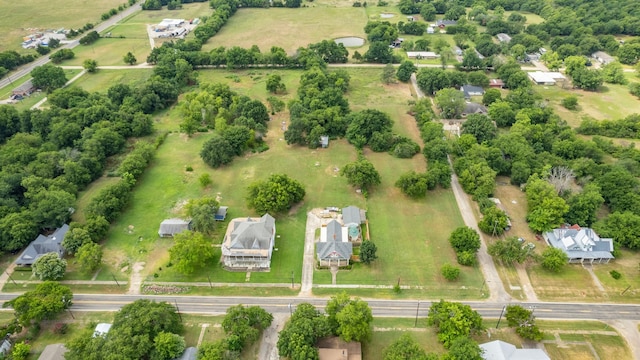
{"points": [[450, 272], [570, 102], [60, 328], [189, 168], [614, 274], [205, 180]]}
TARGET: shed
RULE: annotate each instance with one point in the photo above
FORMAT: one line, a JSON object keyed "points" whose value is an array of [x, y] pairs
{"points": [[545, 77], [221, 213], [444, 23], [602, 57], [500, 350], [496, 83], [324, 141], [101, 329], [27, 88], [170, 227], [53, 352], [502, 37], [353, 215], [431, 30]]}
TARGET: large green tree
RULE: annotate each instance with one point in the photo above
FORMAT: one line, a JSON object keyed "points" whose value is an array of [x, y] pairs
{"points": [[48, 77], [217, 152], [45, 302], [202, 212], [49, 267], [243, 325], [453, 320], [167, 346], [368, 252], [450, 102], [362, 174], [89, 257], [276, 194], [509, 250], [190, 252], [554, 259]]}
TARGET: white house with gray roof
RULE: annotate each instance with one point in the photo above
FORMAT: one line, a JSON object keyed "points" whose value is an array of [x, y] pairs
{"points": [[581, 244], [500, 350], [43, 245], [248, 243], [334, 248]]}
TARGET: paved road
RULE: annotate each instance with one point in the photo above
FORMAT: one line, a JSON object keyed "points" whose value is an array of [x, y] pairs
{"points": [[26, 69]]}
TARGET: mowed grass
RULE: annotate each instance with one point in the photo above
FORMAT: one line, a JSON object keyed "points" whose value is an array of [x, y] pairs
{"points": [[110, 51], [612, 102], [103, 79], [18, 16], [288, 28]]}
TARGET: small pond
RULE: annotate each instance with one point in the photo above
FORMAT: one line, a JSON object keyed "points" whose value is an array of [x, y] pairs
{"points": [[350, 41], [386, 15]]}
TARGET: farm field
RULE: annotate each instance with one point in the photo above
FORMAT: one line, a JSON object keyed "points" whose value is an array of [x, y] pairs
{"points": [[295, 28], [17, 17]]}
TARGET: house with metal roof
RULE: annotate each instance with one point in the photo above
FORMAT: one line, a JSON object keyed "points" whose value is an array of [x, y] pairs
{"points": [[473, 108], [443, 23], [334, 248], [422, 55], [170, 227], [502, 37], [500, 350], [43, 245], [221, 213], [102, 329], [602, 57], [248, 243], [581, 244], [471, 90]]}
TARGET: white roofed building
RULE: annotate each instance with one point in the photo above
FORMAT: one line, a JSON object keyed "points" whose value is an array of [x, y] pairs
{"points": [[581, 244]]}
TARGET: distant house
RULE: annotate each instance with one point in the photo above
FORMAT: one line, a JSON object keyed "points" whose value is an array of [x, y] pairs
{"points": [[471, 90], [422, 55], [221, 214], [431, 30], [334, 248], [457, 50], [102, 329], [496, 83], [53, 352], [26, 89], [170, 227], [532, 57], [581, 244], [545, 77], [411, 18], [502, 37], [473, 108], [248, 243], [5, 346], [500, 350], [43, 245], [333, 348], [444, 23], [602, 57], [324, 141]]}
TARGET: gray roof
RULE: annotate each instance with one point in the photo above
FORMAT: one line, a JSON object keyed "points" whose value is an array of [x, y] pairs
{"points": [[446, 22], [189, 353], [470, 90], [252, 234], [603, 56], [53, 352], [580, 243], [500, 350], [101, 329], [503, 37], [43, 245], [474, 108], [334, 231], [353, 215], [334, 250], [173, 226], [221, 214], [324, 141], [27, 86]]}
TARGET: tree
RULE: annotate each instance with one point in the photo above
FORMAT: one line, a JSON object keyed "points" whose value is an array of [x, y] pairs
{"points": [[570, 102], [75, 238], [89, 257], [276, 194], [368, 251], [634, 89], [546, 208], [587, 79], [20, 351], [413, 184], [450, 102], [494, 221], [146, 317], [190, 251], [405, 70], [276, 105], [453, 320], [450, 272], [49, 267], [405, 348], [573, 64], [297, 339], [490, 96], [388, 75], [430, 80], [379, 52], [45, 302], [167, 346], [478, 78], [480, 127], [354, 321], [584, 205], [48, 77], [130, 59], [364, 124], [464, 348], [244, 325], [216, 152], [509, 250], [464, 239], [202, 213], [470, 60], [90, 65], [613, 73], [275, 84], [554, 259], [622, 227], [524, 322], [361, 174]]}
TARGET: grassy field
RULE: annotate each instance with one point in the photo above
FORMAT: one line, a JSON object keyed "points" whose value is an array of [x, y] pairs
{"points": [[102, 80], [17, 17], [304, 26], [110, 51]]}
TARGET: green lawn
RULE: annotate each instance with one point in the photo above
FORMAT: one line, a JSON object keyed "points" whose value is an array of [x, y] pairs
{"points": [[102, 80], [289, 28], [110, 51], [17, 17]]}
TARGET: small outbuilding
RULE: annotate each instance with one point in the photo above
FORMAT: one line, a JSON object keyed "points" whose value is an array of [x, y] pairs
{"points": [[500, 350], [502, 37], [444, 23], [221, 213], [102, 329], [422, 55], [334, 348], [496, 83], [170, 227], [602, 57], [324, 141]]}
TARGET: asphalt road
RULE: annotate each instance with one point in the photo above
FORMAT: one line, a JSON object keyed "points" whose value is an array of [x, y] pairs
{"points": [[382, 308], [26, 68]]}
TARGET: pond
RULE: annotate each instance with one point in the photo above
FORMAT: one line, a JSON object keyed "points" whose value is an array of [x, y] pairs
{"points": [[386, 15], [350, 41]]}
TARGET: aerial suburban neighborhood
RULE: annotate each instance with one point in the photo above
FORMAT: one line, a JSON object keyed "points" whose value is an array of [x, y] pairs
{"points": [[316, 179]]}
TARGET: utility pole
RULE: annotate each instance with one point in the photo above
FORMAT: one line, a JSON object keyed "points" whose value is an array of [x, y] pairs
{"points": [[417, 310], [501, 313], [292, 279], [209, 277], [177, 308], [290, 310], [114, 279]]}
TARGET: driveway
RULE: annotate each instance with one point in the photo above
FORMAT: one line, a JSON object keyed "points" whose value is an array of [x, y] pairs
{"points": [[313, 222]]}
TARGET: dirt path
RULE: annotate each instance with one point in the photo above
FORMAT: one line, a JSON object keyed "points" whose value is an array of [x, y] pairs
{"points": [[525, 283], [596, 281], [152, 42], [629, 330], [136, 279], [313, 222], [268, 343]]}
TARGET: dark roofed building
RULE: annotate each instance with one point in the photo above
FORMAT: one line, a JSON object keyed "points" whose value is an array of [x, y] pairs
{"points": [[581, 244], [248, 243], [496, 83], [353, 215], [334, 247], [221, 214], [473, 108], [443, 23], [43, 245], [170, 227], [25, 89], [471, 90]]}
